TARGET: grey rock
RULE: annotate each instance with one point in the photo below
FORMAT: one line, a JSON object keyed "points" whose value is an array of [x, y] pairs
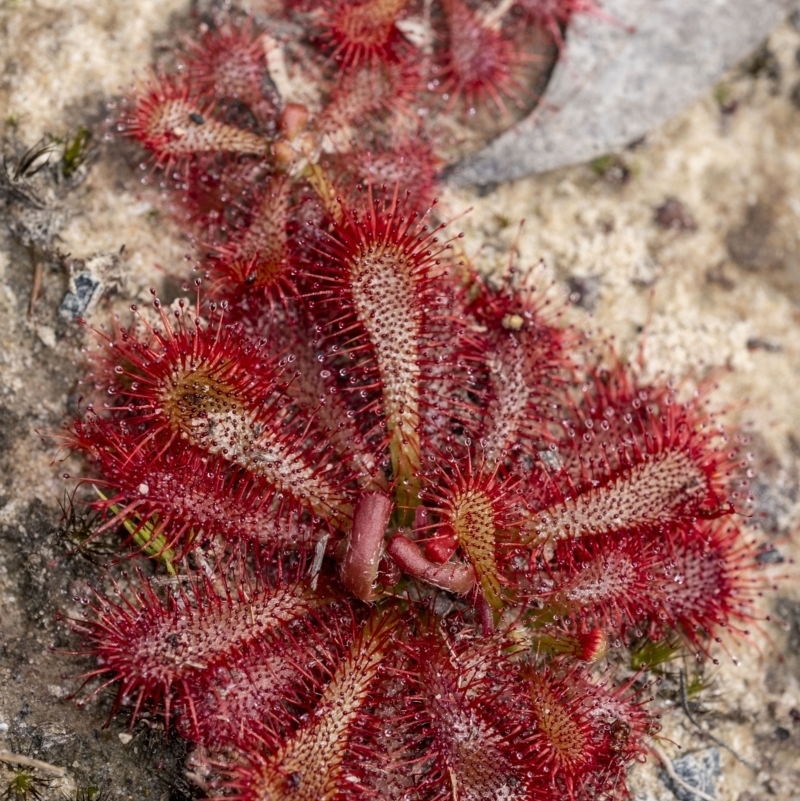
{"points": [[770, 555], [89, 280], [623, 75], [700, 769], [673, 215], [84, 288], [584, 290], [776, 500], [788, 612]]}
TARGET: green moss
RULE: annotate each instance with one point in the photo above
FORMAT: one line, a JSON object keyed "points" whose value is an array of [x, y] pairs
{"points": [[722, 95], [23, 786], [75, 150], [152, 545], [602, 164], [650, 654]]}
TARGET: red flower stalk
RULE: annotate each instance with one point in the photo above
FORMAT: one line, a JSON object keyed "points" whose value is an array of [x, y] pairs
{"points": [[364, 545], [454, 576]]}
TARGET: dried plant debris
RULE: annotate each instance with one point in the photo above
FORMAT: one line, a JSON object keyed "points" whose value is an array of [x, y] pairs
{"points": [[35, 181]]}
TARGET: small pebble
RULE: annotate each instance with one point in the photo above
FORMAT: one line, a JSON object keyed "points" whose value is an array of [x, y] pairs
{"points": [[782, 734], [673, 215]]}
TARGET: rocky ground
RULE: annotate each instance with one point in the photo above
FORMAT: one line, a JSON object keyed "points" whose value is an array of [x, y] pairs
{"points": [[685, 248]]}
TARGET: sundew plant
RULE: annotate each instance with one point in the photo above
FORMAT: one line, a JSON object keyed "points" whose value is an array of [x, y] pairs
{"points": [[390, 529]]}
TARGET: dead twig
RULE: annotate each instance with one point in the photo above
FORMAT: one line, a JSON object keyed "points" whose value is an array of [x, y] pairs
{"points": [[672, 773], [37, 280], [29, 762]]}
